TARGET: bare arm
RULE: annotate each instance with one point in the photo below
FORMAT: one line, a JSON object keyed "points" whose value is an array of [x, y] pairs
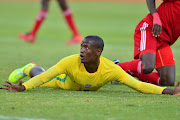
{"points": [[157, 25], [147, 87], [151, 6], [168, 91]]}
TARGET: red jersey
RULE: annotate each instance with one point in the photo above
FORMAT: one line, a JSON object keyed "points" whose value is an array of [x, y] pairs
{"points": [[169, 13]]}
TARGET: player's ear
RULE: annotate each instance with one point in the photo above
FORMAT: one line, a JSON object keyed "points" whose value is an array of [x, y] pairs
{"points": [[99, 51]]}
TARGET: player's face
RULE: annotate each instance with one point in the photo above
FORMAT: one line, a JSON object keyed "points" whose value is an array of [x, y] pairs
{"points": [[88, 52]]}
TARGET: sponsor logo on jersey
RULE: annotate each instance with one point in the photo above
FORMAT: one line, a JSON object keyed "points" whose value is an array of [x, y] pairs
{"points": [[88, 85]]}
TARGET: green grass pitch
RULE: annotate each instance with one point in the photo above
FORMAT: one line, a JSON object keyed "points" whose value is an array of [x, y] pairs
{"points": [[115, 23]]}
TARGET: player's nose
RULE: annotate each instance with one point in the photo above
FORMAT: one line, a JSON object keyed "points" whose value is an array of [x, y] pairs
{"points": [[81, 50]]}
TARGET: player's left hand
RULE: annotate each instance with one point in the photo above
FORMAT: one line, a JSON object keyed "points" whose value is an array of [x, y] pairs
{"points": [[177, 89], [156, 30], [157, 25], [13, 87]]}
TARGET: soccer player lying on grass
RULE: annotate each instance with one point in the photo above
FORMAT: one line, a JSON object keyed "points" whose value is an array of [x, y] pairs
{"points": [[67, 13], [87, 71], [152, 40]]}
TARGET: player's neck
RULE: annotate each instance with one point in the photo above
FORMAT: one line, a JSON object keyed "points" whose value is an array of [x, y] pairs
{"points": [[92, 67]]}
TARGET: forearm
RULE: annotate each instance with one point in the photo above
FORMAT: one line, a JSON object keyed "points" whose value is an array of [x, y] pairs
{"points": [[23, 88], [40, 79], [168, 91], [144, 87], [151, 6]]}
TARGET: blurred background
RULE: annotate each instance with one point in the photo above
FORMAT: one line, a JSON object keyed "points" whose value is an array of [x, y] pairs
{"points": [[114, 21]]}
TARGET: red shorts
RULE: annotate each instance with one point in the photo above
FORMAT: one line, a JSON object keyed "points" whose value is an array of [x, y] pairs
{"points": [[145, 42]]}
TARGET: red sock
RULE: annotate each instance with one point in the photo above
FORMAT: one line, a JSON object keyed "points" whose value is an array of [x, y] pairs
{"points": [[153, 78], [69, 19], [134, 66], [40, 18]]}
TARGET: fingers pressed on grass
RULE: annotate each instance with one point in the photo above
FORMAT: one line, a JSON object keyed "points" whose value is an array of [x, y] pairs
{"points": [[6, 85], [4, 88], [8, 82]]}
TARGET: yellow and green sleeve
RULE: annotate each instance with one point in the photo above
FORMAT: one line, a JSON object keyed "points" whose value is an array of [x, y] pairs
{"points": [[59, 68], [141, 86], [41, 79]]}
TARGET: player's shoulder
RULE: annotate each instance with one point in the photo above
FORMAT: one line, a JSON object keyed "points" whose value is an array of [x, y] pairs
{"points": [[110, 69], [108, 63], [105, 60]]}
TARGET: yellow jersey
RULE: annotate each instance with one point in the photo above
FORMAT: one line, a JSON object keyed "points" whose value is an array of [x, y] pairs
{"points": [[77, 77]]}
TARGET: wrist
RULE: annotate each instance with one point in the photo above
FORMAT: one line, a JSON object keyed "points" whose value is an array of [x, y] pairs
{"points": [[23, 88], [156, 19], [168, 91]]}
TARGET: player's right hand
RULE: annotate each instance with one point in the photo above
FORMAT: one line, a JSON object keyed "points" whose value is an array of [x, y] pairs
{"points": [[13, 87], [177, 89], [157, 25]]}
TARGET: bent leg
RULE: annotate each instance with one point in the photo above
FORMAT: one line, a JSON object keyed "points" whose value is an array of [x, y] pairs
{"points": [[148, 61], [145, 46], [167, 75], [143, 66], [165, 65], [36, 71], [152, 77]]}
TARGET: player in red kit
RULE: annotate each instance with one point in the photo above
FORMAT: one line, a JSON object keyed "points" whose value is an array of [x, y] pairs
{"points": [[152, 40], [67, 13]]}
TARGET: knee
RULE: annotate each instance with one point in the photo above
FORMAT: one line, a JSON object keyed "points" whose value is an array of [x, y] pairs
{"points": [[36, 71], [147, 69], [148, 60]]}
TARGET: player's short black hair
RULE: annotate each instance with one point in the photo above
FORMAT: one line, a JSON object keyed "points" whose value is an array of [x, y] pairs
{"points": [[98, 41]]}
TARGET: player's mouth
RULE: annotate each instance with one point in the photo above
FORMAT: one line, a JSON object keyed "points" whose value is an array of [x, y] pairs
{"points": [[81, 56]]}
